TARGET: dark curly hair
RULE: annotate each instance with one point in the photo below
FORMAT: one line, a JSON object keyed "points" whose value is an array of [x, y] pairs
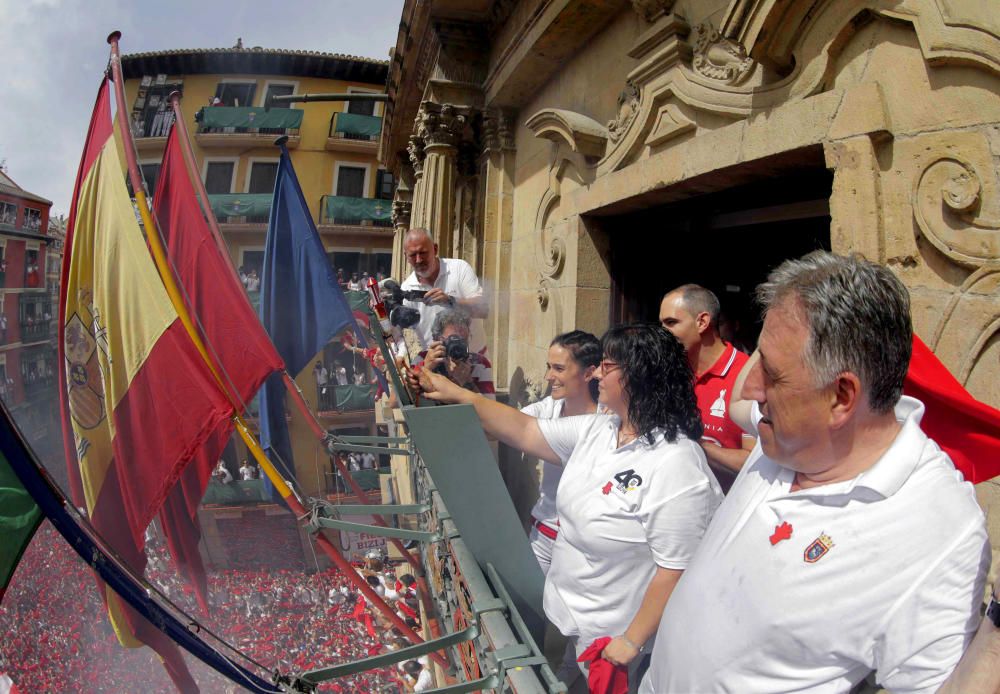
{"points": [[657, 380], [586, 351]]}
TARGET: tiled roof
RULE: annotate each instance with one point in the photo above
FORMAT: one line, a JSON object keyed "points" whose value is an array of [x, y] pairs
{"points": [[259, 61]]}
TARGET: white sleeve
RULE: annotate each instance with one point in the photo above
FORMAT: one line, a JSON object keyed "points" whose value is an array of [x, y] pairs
{"points": [[677, 507], [535, 409], [562, 434], [468, 283], [927, 631]]}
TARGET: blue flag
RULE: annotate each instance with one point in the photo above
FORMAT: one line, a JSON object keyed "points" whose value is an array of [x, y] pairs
{"points": [[302, 305]]}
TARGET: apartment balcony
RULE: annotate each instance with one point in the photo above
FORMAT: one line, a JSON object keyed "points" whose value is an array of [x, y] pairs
{"points": [[352, 132], [346, 211], [233, 126], [241, 208], [34, 330]]}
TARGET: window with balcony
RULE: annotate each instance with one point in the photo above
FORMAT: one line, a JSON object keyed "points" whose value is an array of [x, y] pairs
{"points": [[150, 174], [32, 219], [235, 93], [278, 90], [385, 185], [219, 177], [351, 182], [8, 213], [262, 175], [32, 276], [35, 316], [152, 115], [361, 108]]}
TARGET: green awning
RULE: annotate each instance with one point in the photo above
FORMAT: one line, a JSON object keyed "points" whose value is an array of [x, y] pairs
{"points": [[350, 398], [249, 117], [236, 492], [240, 204], [358, 301], [345, 210], [19, 518], [357, 124]]}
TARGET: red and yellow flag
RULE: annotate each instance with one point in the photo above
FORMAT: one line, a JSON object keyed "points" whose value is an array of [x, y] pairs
{"points": [[138, 399]]}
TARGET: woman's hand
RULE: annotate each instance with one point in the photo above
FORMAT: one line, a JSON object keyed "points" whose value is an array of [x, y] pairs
{"points": [[619, 651], [438, 387]]}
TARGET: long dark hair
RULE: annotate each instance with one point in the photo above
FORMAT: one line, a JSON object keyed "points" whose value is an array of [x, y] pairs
{"points": [[657, 380], [585, 350]]}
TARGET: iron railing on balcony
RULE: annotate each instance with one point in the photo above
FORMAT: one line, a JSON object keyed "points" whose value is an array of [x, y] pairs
{"points": [[249, 120], [241, 208], [340, 209], [354, 126], [33, 330]]}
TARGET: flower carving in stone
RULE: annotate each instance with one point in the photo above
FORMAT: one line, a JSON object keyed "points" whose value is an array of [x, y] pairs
{"points": [[440, 124], [719, 58], [628, 106], [415, 148]]}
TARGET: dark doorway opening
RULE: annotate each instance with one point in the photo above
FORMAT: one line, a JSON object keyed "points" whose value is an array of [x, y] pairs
{"points": [[727, 241]]}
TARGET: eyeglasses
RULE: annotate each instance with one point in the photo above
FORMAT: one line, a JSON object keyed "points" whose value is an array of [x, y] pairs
{"points": [[606, 367]]}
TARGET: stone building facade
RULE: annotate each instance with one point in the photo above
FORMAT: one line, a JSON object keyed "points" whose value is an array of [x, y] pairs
{"points": [[586, 155]]}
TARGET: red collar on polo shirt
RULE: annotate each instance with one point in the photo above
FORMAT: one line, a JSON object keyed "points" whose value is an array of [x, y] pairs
{"points": [[722, 365]]}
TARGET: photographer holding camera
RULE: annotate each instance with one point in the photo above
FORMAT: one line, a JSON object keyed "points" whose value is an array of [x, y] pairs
{"points": [[448, 354], [445, 283]]}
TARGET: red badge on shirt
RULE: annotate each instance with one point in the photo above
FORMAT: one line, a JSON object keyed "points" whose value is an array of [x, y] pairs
{"points": [[781, 532], [606, 489]]}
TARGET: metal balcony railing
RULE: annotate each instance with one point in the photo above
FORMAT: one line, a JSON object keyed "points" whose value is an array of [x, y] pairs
{"points": [[33, 330], [340, 209], [253, 120], [353, 126], [241, 208]]}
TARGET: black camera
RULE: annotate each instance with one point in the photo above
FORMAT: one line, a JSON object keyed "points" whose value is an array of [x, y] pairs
{"points": [[399, 315], [456, 349]]}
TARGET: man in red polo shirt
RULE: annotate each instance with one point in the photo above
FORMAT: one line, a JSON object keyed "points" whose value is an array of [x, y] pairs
{"points": [[691, 313]]}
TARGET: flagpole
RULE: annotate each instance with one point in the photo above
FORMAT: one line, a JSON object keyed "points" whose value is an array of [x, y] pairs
{"points": [[159, 257]]}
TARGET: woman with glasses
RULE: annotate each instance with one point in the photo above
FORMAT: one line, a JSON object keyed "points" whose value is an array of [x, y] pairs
{"points": [[635, 497]]}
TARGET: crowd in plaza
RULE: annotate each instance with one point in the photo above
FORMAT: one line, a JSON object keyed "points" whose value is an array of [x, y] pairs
{"points": [[57, 636]]}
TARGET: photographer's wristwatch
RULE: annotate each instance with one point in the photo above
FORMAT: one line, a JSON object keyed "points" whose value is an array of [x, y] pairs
{"points": [[993, 611]]}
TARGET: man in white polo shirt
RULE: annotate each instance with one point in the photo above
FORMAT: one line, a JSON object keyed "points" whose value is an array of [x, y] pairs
{"points": [[449, 283], [848, 543]]}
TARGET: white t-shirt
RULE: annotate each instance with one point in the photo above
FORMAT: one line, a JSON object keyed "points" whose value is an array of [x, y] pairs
{"points": [[883, 572], [544, 509], [622, 512], [456, 278]]}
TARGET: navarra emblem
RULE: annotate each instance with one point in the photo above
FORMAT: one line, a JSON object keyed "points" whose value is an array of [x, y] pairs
{"points": [[817, 549]]}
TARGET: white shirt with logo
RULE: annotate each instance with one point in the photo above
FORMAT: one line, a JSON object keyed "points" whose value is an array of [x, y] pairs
{"points": [[622, 512], [809, 591]]}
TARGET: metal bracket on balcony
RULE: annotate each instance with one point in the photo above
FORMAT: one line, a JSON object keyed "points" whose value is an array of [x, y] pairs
{"points": [[359, 448], [314, 677], [317, 521], [381, 509], [374, 439]]}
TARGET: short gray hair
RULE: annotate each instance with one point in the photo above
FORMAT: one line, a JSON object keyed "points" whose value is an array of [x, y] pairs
{"points": [[697, 299], [450, 316], [858, 316]]}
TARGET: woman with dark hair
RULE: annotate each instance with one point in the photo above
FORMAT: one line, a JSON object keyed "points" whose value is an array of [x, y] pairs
{"points": [[573, 358], [636, 497]]}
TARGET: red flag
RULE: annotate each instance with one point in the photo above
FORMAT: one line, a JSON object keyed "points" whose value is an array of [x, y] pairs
{"points": [[229, 327], [965, 428], [130, 423]]}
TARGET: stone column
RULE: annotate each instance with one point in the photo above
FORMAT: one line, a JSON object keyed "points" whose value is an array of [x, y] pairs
{"points": [[415, 148], [440, 128], [402, 212]]}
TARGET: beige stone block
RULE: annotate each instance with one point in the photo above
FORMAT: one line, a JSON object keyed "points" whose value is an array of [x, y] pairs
{"points": [[789, 126], [592, 310], [862, 111]]}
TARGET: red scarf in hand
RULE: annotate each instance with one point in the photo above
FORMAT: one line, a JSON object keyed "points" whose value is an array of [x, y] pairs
{"points": [[605, 677]]}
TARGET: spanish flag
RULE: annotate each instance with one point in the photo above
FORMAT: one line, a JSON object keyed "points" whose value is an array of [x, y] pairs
{"points": [[138, 400]]}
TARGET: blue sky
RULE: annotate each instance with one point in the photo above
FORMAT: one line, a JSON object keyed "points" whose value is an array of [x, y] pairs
{"points": [[52, 54]]}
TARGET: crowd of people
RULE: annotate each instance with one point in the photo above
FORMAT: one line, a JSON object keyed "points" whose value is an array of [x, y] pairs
{"points": [[57, 636]]}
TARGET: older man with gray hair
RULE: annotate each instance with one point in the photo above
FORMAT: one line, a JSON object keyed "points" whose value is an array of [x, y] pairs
{"points": [[848, 544]]}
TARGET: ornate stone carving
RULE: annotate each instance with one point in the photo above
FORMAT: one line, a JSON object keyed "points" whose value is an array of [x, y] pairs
{"points": [[651, 10], [497, 130], [440, 124], [581, 133], [401, 210], [415, 147], [628, 106], [947, 204], [719, 58]]}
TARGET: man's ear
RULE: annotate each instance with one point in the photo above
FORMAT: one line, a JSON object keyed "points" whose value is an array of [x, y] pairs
{"points": [[702, 321], [845, 398]]}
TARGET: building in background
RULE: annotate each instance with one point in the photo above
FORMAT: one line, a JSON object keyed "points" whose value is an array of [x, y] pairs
{"points": [[333, 146], [29, 294]]}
